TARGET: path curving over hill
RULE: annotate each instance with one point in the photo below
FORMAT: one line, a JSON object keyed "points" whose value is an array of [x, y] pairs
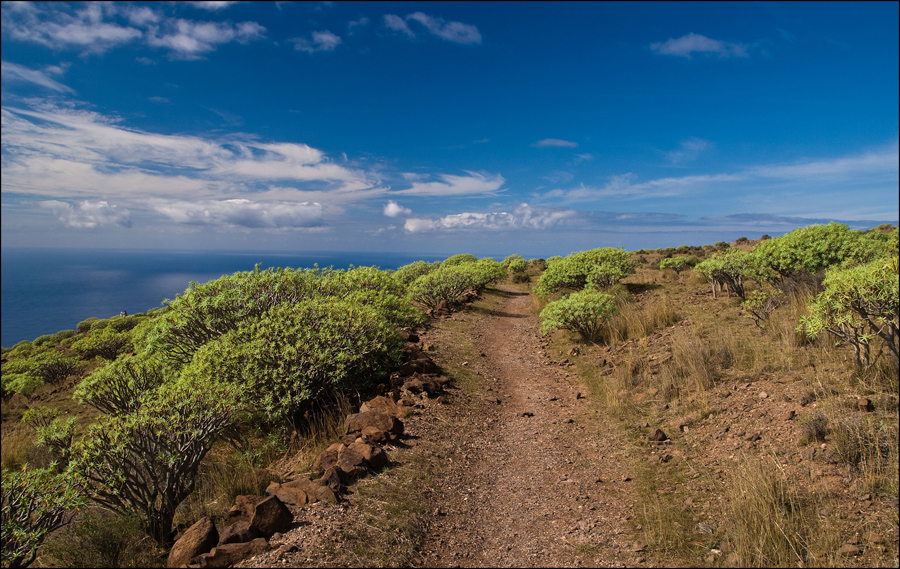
{"points": [[534, 480]]}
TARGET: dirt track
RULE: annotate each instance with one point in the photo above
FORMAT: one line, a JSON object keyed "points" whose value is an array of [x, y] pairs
{"points": [[535, 481]]}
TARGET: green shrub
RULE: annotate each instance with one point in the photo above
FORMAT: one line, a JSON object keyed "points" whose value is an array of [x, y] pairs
{"points": [[85, 325], [600, 268], [728, 268], [406, 274], [35, 503], [122, 386], [145, 463], [297, 353], [22, 383], [98, 538], [459, 259], [105, 343], [677, 264], [585, 312], [858, 305]]}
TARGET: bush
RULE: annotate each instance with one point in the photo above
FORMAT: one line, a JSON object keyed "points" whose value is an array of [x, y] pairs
{"points": [[85, 325], [98, 538], [22, 383], [726, 269], [35, 503], [677, 264], [297, 353], [406, 274], [858, 305], [123, 386], [145, 463], [459, 259], [105, 343], [598, 267], [585, 312]]}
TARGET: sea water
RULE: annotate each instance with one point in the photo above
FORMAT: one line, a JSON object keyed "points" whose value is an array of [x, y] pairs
{"points": [[48, 290]]}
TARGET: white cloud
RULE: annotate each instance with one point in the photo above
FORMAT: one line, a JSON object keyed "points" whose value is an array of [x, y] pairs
{"points": [[88, 214], [474, 183], [884, 162], [522, 217], [243, 213], [393, 209], [398, 24], [456, 32], [187, 39], [688, 150], [696, 43], [622, 187], [550, 142], [212, 5], [101, 26], [321, 41], [352, 25], [15, 72]]}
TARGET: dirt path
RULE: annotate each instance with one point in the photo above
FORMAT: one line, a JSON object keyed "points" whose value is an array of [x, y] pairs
{"points": [[535, 481]]}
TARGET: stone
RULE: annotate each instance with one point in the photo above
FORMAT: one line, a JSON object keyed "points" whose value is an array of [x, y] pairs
{"points": [[271, 515], [238, 532], [326, 494], [232, 553], [331, 479], [865, 405], [384, 405], [351, 463], [788, 415], [391, 426], [293, 493], [242, 509], [373, 455], [328, 458], [849, 550], [198, 539], [658, 436]]}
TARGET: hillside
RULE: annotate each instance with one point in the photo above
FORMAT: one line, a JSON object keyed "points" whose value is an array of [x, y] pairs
{"points": [[685, 433]]}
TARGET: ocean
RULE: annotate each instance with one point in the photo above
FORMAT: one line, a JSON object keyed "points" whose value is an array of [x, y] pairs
{"points": [[47, 290]]}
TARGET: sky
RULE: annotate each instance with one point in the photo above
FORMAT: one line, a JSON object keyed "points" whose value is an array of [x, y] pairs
{"points": [[439, 128]]}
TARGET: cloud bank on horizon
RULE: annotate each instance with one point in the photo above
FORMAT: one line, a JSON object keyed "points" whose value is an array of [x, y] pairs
{"points": [[354, 127]]}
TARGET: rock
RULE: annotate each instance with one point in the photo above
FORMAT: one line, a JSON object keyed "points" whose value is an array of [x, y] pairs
{"points": [[198, 539], [373, 455], [326, 494], [392, 427], [788, 415], [238, 532], [331, 479], [232, 553], [351, 463], [849, 550], [421, 365], [704, 528], [271, 515], [385, 405], [293, 493], [242, 509], [328, 458], [658, 436], [865, 405]]}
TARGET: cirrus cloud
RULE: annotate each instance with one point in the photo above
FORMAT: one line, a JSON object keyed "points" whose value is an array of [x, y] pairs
{"points": [[696, 43]]}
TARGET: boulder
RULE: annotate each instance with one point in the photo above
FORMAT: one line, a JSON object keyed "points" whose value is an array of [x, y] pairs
{"points": [[351, 463], [331, 479], [328, 458], [238, 532], [658, 436], [294, 493], [391, 426], [243, 509], [270, 516], [326, 494], [421, 365], [231, 553], [374, 455], [198, 539], [384, 405]]}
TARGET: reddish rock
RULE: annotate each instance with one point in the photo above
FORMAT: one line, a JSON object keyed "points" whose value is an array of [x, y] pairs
{"points": [[373, 455], [328, 458], [232, 553], [865, 405], [289, 493], [238, 532], [658, 436], [351, 463], [332, 479], [391, 426], [270, 516], [384, 405], [243, 508], [198, 539]]}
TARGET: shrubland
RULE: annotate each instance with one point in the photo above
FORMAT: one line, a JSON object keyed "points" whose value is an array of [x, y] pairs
{"points": [[175, 395]]}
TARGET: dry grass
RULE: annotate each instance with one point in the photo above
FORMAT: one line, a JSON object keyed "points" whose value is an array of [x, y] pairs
{"points": [[639, 321], [17, 443]]}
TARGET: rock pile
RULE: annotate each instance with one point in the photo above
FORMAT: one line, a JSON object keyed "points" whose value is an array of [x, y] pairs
{"points": [[253, 520]]}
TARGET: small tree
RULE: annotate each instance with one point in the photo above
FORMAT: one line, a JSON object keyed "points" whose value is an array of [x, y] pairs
{"points": [[858, 305], [146, 462], [585, 312], [677, 264], [53, 432], [600, 268], [35, 503], [122, 386], [726, 269]]}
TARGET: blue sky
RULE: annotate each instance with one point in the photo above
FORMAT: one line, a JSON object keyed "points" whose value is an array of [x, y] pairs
{"points": [[491, 128]]}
